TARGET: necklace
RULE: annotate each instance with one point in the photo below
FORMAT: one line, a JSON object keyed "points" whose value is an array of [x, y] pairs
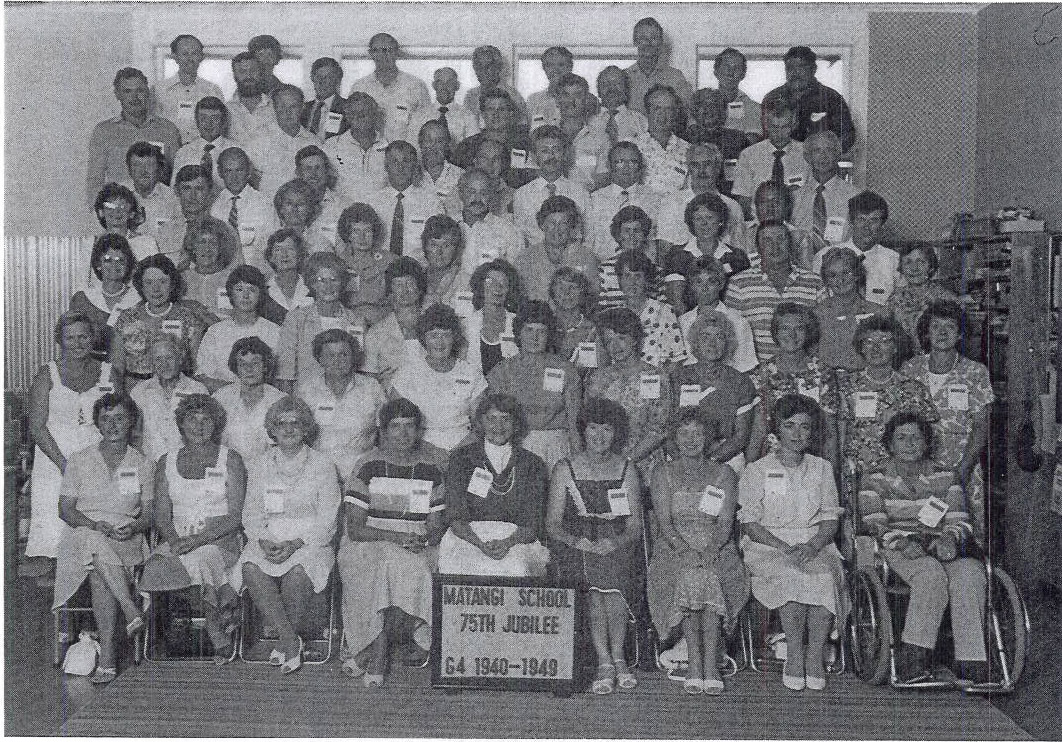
{"points": [[116, 294], [147, 308], [870, 377], [507, 485]]}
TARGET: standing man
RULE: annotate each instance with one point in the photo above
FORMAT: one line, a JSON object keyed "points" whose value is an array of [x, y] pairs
{"points": [[650, 70], [212, 122], [358, 155], [250, 109], [552, 153], [193, 191], [274, 153], [778, 158], [705, 163], [625, 189], [543, 107], [442, 175], [323, 116], [867, 213], [742, 113], [487, 235], [404, 204], [399, 94], [589, 144], [146, 165], [616, 118], [266, 49], [489, 66], [460, 122], [111, 139], [312, 166], [243, 208], [498, 115], [816, 106], [176, 97], [662, 150], [820, 206]]}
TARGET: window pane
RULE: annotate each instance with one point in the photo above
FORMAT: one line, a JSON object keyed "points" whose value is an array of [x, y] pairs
{"points": [[530, 78], [218, 70], [764, 75], [422, 67]]}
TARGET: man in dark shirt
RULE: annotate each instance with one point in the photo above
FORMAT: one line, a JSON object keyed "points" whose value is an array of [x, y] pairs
{"points": [[500, 124], [817, 107]]}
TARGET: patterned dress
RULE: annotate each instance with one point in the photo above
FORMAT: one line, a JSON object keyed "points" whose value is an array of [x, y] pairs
{"points": [[907, 306], [644, 415], [663, 339]]}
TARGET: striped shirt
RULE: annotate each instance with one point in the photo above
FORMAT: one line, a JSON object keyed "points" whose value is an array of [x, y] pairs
{"points": [[752, 293], [397, 498]]}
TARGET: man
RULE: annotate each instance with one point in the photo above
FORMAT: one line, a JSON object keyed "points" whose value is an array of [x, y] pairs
{"points": [[820, 206], [176, 97], [543, 106], [266, 49], [817, 107], [487, 235], [589, 145], [211, 122], [625, 189], [705, 163], [650, 70], [489, 66], [616, 118], [250, 109], [494, 159], [867, 214], [111, 139], [773, 202], [404, 204], [757, 291], [398, 94], [708, 111], [312, 165], [559, 221], [779, 157], [274, 153], [193, 191], [552, 155], [358, 155], [323, 116], [442, 175], [498, 115], [242, 207], [664, 153], [145, 164], [742, 113], [458, 120]]}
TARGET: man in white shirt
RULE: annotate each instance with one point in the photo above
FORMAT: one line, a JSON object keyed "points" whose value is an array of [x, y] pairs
{"points": [[663, 151], [460, 121], [323, 116], [176, 97], [553, 157], [616, 118], [588, 144], [211, 121], [489, 66], [193, 191], [145, 165], [243, 208], [626, 189], [820, 206], [779, 157], [441, 174], [267, 50], [705, 163], [399, 94], [650, 70], [542, 106], [313, 166], [358, 155], [274, 153], [404, 204], [867, 213], [250, 110], [742, 113], [487, 235]]}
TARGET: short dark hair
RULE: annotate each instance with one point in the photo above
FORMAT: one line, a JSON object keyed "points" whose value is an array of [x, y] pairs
{"points": [[498, 93], [440, 225], [558, 205], [548, 131], [319, 261], [512, 301], [854, 261], [244, 57], [650, 21], [213, 103], [146, 149], [941, 309], [201, 403], [400, 407], [628, 214], [569, 274], [730, 51], [229, 152], [712, 202], [538, 312], [112, 400], [228, 239], [406, 266], [866, 202], [621, 321], [803, 53], [506, 403], [250, 275], [599, 411], [72, 318], [635, 261], [164, 264], [279, 236], [926, 249], [696, 415], [183, 37], [104, 244], [783, 193], [442, 317], [875, 323], [559, 50], [187, 174], [335, 335], [674, 96], [265, 41], [812, 328], [570, 78], [128, 73], [325, 62], [625, 144], [770, 223], [254, 345], [310, 150], [907, 417], [360, 213], [111, 191], [295, 185], [794, 404]]}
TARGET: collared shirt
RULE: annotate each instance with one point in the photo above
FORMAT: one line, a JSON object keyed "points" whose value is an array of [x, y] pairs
{"points": [[461, 121], [744, 359], [756, 163], [752, 293], [882, 265], [529, 198], [256, 219], [489, 238], [836, 194], [398, 102], [216, 345], [176, 101], [629, 124], [523, 120], [590, 148], [639, 83], [536, 268], [446, 189], [325, 226], [328, 105], [301, 297], [817, 108], [665, 167], [347, 423], [743, 114], [273, 154], [161, 206], [295, 360], [663, 339], [111, 140], [606, 202], [245, 126], [192, 154], [360, 170], [418, 203], [671, 225], [543, 109]]}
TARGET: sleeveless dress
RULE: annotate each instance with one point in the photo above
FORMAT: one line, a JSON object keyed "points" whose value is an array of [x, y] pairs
{"points": [[70, 423]]}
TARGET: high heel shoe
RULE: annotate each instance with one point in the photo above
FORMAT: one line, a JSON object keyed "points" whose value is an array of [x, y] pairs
{"points": [[290, 666]]}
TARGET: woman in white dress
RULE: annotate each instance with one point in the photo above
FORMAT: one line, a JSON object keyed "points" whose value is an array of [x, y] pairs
{"points": [[247, 401]]}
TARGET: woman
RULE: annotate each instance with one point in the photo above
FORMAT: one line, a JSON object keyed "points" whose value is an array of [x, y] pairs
{"points": [[60, 420], [159, 396], [112, 262], [789, 514], [643, 392], [870, 398], [726, 397], [296, 205], [547, 387], [326, 275], [246, 402], [496, 494], [696, 579], [630, 228], [289, 519], [441, 383], [199, 491], [106, 502], [795, 370], [393, 340], [707, 218], [444, 246], [286, 253], [572, 301], [361, 233], [663, 347], [160, 311], [215, 249], [918, 266], [245, 291], [594, 521], [495, 159], [842, 308], [344, 401], [394, 511], [496, 295], [707, 279], [962, 393], [120, 214]]}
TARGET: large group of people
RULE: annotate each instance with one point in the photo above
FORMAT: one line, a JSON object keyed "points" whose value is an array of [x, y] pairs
{"points": [[632, 341]]}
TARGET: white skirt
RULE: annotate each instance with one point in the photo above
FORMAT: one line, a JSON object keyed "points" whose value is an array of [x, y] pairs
{"points": [[459, 557]]}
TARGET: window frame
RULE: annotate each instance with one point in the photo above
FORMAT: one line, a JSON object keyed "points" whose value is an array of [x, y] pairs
{"points": [[343, 52], [226, 52], [521, 52]]}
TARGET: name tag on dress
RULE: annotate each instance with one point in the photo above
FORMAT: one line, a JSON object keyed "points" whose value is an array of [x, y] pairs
{"points": [[223, 301], [649, 386], [735, 110], [518, 158], [835, 227], [618, 502], [689, 395], [400, 495], [173, 327], [481, 482], [128, 482], [817, 116], [586, 355], [333, 122], [214, 481], [463, 304], [932, 512], [274, 499], [958, 397], [711, 500], [866, 405], [775, 484], [325, 414], [553, 380]]}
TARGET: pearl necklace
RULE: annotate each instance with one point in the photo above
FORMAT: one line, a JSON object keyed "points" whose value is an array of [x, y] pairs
{"points": [[161, 314]]}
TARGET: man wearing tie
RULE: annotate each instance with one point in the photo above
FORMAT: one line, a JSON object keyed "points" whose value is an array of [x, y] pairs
{"points": [[404, 204], [212, 122], [820, 206], [243, 208], [553, 156], [779, 157], [323, 116], [615, 117], [626, 189], [460, 122]]}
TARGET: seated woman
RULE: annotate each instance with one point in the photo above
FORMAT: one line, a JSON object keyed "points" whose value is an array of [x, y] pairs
{"points": [[112, 262], [159, 396], [246, 402], [289, 518], [696, 579], [925, 550], [394, 511], [361, 241], [789, 514], [444, 246], [842, 308], [106, 498], [547, 386], [215, 250], [496, 295], [911, 297], [495, 499], [199, 491], [594, 521], [393, 340]]}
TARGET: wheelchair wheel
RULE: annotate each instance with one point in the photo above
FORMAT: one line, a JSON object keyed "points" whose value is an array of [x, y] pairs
{"points": [[1007, 627], [871, 628]]}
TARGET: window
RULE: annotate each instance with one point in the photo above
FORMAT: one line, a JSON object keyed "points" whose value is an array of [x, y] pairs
{"points": [[217, 67], [766, 71], [589, 61], [418, 61]]}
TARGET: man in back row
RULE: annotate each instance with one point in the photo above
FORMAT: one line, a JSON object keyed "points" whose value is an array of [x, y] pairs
{"points": [[399, 94], [175, 97]]}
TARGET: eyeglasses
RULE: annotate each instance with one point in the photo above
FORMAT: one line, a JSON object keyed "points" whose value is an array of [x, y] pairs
{"points": [[883, 343]]}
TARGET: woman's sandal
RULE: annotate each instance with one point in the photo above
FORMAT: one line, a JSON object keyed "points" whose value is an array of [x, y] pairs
{"points": [[712, 686], [693, 686], [605, 682], [134, 627], [276, 658], [625, 679], [293, 664], [352, 669], [104, 675]]}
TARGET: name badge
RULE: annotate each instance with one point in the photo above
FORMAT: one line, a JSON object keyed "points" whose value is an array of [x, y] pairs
{"points": [[861, 317], [553, 380], [420, 497], [185, 104], [214, 481], [735, 110], [795, 181], [223, 299], [481, 482], [274, 499], [932, 512], [508, 345], [774, 484], [586, 162], [463, 381], [105, 387], [173, 327], [246, 234], [817, 116], [586, 355], [866, 405], [358, 333], [649, 386], [711, 500], [487, 254], [463, 304], [958, 397], [878, 290], [400, 107], [325, 414], [835, 227], [618, 502], [811, 392], [161, 222], [689, 395], [518, 158], [538, 118], [128, 482], [160, 145], [333, 122]]}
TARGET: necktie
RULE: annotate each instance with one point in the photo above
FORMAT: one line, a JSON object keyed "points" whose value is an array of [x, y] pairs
{"points": [[818, 211], [552, 188], [234, 214], [207, 162], [442, 117], [777, 170], [398, 222], [611, 128], [315, 119], [625, 198]]}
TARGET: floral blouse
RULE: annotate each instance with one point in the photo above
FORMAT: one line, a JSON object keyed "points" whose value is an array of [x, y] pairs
{"points": [[906, 306], [816, 382], [663, 339]]}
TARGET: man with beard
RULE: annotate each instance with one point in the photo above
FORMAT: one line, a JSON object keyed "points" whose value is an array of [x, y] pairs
{"points": [[817, 107], [250, 109]]}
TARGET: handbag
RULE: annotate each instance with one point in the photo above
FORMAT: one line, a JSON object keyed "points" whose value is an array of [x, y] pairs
{"points": [[162, 573]]}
